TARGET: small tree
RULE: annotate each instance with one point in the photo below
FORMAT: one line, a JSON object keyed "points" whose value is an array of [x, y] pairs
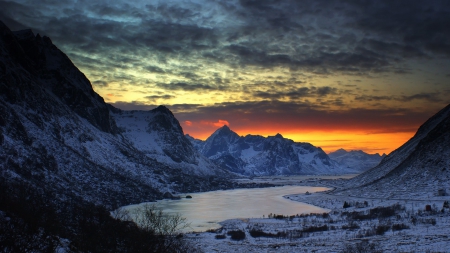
{"points": [[446, 204], [346, 205], [363, 247], [151, 218], [165, 228]]}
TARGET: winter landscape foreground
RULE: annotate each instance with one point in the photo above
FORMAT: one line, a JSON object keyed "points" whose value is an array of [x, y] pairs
{"points": [[364, 225]]}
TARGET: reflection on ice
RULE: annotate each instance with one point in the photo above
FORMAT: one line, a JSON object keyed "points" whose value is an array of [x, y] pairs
{"points": [[206, 209]]}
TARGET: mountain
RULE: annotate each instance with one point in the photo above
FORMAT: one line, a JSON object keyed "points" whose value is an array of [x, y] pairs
{"points": [[58, 135], [158, 134], [258, 155], [420, 168], [357, 160]]}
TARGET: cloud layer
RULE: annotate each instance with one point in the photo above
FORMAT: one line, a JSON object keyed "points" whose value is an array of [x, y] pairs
{"points": [[379, 65]]}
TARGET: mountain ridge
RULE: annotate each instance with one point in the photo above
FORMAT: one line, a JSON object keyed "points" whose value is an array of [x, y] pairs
{"points": [[357, 160], [420, 167], [57, 134], [272, 155]]}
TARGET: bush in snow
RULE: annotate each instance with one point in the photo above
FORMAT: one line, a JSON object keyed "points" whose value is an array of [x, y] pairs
{"points": [[223, 236], [362, 247], [236, 235], [398, 227], [381, 229]]}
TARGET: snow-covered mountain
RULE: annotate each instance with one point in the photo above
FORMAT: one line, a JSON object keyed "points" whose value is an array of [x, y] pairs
{"points": [[258, 155], [158, 134], [420, 168], [57, 134], [357, 160]]}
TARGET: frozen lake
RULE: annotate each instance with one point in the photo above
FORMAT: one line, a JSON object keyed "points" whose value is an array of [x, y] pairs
{"points": [[206, 209]]}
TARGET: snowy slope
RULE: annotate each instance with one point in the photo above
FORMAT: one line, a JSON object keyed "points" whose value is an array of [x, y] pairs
{"points": [[356, 159], [419, 168], [274, 155], [158, 134]]}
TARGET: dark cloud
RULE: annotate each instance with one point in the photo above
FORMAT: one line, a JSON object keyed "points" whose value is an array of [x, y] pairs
{"points": [[306, 116], [418, 25], [100, 83], [319, 36], [303, 92], [155, 69], [186, 86], [155, 97], [430, 97], [373, 98], [323, 91]]}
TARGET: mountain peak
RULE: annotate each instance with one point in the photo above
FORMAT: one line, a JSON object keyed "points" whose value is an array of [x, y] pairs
{"points": [[162, 109], [225, 130], [24, 34], [279, 136], [54, 72], [220, 140]]}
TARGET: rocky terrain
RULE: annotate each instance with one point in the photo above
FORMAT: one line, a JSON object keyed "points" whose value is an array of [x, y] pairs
{"points": [[56, 133], [418, 169], [256, 155], [357, 160]]}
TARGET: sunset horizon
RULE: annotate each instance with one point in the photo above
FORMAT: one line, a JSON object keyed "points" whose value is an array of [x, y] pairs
{"points": [[337, 74], [353, 141]]}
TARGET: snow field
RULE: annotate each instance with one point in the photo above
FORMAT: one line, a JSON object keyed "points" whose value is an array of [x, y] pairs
{"points": [[409, 229]]}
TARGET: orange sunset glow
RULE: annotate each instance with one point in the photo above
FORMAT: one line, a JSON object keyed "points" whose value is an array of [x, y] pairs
{"points": [[328, 141]]}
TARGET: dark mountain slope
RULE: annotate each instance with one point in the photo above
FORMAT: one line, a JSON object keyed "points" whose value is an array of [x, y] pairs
{"points": [[57, 134], [419, 168]]}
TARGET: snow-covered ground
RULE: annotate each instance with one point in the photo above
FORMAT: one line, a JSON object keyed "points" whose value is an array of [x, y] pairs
{"points": [[386, 225]]}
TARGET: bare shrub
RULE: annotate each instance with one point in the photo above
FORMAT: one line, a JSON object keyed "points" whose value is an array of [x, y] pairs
{"points": [[315, 229], [166, 228], [352, 225], [398, 227], [363, 247], [151, 218], [236, 235], [212, 230], [222, 236], [381, 229], [259, 233]]}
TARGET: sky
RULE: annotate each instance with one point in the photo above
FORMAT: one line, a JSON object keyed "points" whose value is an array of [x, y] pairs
{"points": [[359, 75]]}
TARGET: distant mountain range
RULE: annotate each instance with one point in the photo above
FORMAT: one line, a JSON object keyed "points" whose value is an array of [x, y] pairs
{"points": [[357, 160], [420, 168], [275, 155]]}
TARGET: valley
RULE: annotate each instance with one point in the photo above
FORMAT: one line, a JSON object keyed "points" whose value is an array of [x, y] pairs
{"points": [[361, 225], [68, 158]]}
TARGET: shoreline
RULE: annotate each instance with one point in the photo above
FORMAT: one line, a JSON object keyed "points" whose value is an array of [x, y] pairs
{"points": [[407, 227]]}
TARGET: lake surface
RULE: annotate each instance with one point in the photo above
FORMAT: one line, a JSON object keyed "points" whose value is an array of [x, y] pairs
{"points": [[206, 209]]}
